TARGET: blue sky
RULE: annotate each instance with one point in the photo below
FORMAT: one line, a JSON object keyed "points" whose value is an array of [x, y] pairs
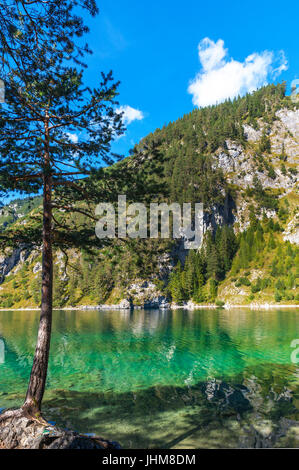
{"points": [[171, 56], [153, 49]]}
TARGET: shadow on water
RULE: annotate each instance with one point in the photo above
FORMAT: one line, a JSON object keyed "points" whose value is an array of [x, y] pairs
{"points": [[213, 414]]}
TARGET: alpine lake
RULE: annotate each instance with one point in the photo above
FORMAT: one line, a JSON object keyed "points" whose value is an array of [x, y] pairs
{"points": [[163, 379]]}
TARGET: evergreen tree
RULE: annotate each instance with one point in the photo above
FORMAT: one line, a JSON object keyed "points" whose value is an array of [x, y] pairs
{"points": [[47, 102], [176, 285], [265, 144], [271, 242]]}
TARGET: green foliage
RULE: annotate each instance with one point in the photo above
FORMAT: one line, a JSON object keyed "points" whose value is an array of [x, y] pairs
{"points": [[271, 172], [35, 289], [293, 171], [176, 283], [283, 213], [213, 288], [204, 181], [242, 281], [258, 244], [263, 197], [257, 286], [278, 296], [283, 169], [206, 267], [265, 144]]}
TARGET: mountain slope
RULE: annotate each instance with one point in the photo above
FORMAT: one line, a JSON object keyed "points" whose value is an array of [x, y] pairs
{"points": [[240, 159]]}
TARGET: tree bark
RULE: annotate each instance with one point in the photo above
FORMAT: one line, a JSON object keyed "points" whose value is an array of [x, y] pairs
{"points": [[37, 382]]}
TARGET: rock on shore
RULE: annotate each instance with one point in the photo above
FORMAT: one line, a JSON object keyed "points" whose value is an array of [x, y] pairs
{"points": [[24, 433]]}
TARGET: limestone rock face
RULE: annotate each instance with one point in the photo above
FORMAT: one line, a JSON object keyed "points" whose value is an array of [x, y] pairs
{"points": [[239, 165], [292, 231], [8, 263], [12, 262], [251, 134], [157, 302], [37, 267], [146, 294], [286, 131], [125, 304]]}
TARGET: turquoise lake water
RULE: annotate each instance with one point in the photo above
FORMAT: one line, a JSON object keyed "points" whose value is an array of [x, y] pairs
{"points": [[206, 378]]}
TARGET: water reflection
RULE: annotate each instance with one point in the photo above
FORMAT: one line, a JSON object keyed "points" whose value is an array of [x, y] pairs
{"points": [[147, 347], [135, 374]]}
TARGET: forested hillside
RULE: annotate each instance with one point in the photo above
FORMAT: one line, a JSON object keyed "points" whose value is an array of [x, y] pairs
{"points": [[240, 159]]}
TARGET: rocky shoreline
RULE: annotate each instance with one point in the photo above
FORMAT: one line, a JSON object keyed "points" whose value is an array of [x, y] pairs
{"points": [[171, 306], [26, 433]]}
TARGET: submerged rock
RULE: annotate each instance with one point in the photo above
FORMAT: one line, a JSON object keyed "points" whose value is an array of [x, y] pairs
{"points": [[227, 396]]}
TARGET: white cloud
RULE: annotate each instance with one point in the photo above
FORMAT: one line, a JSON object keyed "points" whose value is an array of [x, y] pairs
{"points": [[73, 137], [221, 78], [130, 114], [283, 64]]}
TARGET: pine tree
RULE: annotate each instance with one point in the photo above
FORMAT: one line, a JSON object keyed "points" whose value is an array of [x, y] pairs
{"points": [[176, 285], [213, 287], [36, 289], [265, 144], [46, 103], [190, 276], [271, 242]]}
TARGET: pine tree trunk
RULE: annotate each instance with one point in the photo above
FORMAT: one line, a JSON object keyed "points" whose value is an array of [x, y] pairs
{"points": [[36, 387]]}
